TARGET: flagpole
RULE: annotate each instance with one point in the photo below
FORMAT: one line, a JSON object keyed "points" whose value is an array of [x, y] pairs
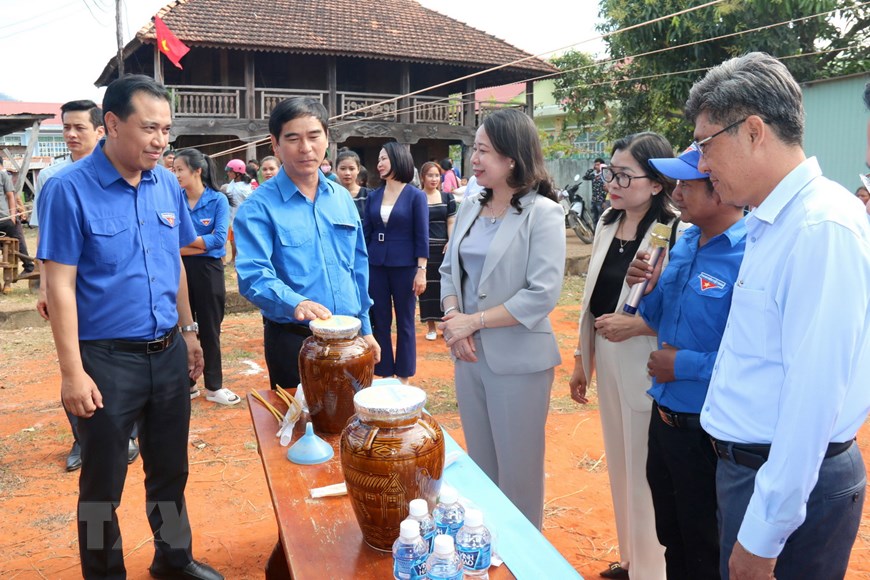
{"points": [[120, 38], [158, 64]]}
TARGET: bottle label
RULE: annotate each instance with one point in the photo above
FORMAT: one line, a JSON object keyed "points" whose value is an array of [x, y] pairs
{"points": [[409, 569], [430, 540], [475, 558], [449, 529]]}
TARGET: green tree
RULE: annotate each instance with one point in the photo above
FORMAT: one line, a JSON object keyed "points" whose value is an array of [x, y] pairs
{"points": [[635, 92]]}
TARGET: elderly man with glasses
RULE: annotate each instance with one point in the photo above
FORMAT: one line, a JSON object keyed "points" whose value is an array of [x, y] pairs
{"points": [[788, 390]]}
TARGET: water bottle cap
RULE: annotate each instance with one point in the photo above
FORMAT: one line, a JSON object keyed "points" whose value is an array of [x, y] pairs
{"points": [[448, 495], [418, 507], [443, 545], [473, 518], [409, 529]]}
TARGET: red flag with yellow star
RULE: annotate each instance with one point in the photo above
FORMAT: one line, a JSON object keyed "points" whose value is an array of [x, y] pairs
{"points": [[168, 43]]}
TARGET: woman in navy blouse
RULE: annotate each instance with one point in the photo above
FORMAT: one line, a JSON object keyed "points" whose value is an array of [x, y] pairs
{"points": [[210, 213], [396, 222]]}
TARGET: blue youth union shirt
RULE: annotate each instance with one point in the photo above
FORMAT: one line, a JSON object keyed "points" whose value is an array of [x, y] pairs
{"points": [[292, 249], [689, 309], [125, 242], [211, 220]]}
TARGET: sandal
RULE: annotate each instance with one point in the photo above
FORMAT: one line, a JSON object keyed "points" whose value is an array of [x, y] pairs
{"points": [[615, 570], [223, 397]]}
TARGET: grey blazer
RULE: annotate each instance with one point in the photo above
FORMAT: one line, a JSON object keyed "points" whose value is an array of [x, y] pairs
{"points": [[523, 271]]}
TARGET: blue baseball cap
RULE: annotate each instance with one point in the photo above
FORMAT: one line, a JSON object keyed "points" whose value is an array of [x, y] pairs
{"points": [[684, 167]]}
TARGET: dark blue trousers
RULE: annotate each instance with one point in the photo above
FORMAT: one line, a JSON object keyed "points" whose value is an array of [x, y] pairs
{"points": [[153, 391], [820, 547], [389, 287]]}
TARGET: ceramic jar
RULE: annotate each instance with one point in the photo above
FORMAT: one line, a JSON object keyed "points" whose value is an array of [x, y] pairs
{"points": [[334, 364], [391, 452]]}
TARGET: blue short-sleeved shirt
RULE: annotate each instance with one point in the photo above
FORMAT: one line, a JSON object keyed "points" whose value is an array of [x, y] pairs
{"points": [[689, 308], [211, 220], [125, 242], [292, 249]]}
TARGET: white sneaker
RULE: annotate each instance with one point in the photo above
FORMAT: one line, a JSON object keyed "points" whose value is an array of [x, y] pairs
{"points": [[194, 393], [431, 335], [223, 397]]}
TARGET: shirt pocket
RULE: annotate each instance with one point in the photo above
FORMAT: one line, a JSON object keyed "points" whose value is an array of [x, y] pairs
{"points": [[747, 323], [345, 242], [111, 238], [168, 228], [297, 249]]}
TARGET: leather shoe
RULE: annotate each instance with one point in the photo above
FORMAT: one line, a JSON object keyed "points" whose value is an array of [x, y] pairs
{"points": [[74, 459], [132, 451], [193, 570]]}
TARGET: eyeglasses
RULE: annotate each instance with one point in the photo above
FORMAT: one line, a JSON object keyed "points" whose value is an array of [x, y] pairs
{"points": [[622, 179], [699, 145]]}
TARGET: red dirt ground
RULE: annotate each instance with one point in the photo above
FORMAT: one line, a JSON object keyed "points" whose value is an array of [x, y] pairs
{"points": [[230, 510]]}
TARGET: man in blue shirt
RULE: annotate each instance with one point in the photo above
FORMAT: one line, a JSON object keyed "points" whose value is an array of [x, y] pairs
{"points": [[789, 390], [302, 252], [112, 227], [688, 308]]}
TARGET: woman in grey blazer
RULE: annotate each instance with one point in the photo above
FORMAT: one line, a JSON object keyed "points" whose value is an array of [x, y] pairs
{"points": [[500, 279]]}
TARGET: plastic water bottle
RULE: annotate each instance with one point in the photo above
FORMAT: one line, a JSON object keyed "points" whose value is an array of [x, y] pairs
{"points": [[419, 511], [409, 552], [444, 562], [474, 544], [449, 514]]}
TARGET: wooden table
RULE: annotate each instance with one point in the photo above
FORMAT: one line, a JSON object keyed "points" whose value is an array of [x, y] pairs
{"points": [[317, 538]]}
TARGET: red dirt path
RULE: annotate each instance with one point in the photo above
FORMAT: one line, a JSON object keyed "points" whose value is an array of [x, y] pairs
{"points": [[230, 510]]}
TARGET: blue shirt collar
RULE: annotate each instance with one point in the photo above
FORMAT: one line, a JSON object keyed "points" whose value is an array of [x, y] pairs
{"points": [[106, 172], [287, 188], [734, 234], [787, 189]]}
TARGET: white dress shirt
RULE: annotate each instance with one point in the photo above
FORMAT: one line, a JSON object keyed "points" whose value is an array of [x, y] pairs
{"points": [[794, 363], [43, 176]]}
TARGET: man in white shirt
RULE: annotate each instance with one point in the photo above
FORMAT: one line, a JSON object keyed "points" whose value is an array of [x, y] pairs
{"points": [[789, 386], [82, 130]]}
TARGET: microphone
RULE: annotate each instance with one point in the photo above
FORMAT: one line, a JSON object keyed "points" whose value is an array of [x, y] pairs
{"points": [[658, 241]]}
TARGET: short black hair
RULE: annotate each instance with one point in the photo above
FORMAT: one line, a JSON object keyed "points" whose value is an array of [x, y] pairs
{"points": [[169, 152], [598, 160], [96, 113], [401, 162], [446, 164], [119, 94], [296, 107]]}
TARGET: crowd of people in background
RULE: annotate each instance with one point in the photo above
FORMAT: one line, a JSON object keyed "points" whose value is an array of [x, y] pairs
{"points": [[735, 390]]}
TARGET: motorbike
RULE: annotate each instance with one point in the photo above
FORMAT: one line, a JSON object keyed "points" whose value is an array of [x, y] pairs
{"points": [[577, 216]]}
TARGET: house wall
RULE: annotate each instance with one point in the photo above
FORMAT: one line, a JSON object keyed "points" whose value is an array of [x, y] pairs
{"points": [[836, 127]]}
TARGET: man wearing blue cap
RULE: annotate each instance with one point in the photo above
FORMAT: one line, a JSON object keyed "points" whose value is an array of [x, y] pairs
{"points": [[688, 309]]}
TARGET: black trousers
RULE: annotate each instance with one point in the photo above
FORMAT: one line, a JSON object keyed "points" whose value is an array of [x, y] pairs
{"points": [[681, 470], [282, 346], [207, 290], [14, 231], [154, 390]]}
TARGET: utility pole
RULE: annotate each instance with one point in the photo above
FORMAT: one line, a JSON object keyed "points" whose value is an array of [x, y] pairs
{"points": [[120, 37]]}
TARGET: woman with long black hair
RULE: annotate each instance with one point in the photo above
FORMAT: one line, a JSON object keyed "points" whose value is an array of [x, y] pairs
{"points": [[210, 213]]}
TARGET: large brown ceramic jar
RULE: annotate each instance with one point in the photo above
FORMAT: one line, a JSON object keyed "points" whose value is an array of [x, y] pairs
{"points": [[334, 364], [391, 453]]}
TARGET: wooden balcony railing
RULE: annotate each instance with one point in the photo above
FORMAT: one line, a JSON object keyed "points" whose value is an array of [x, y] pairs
{"points": [[195, 101], [229, 103]]}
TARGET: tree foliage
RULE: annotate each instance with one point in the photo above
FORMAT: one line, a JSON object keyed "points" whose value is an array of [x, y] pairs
{"points": [[635, 91]]}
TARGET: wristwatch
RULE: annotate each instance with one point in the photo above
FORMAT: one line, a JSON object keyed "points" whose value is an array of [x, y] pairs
{"points": [[577, 353], [191, 328]]}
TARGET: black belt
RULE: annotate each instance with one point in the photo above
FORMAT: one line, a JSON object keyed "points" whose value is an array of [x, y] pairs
{"points": [[754, 455], [138, 347], [678, 420], [297, 329]]}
